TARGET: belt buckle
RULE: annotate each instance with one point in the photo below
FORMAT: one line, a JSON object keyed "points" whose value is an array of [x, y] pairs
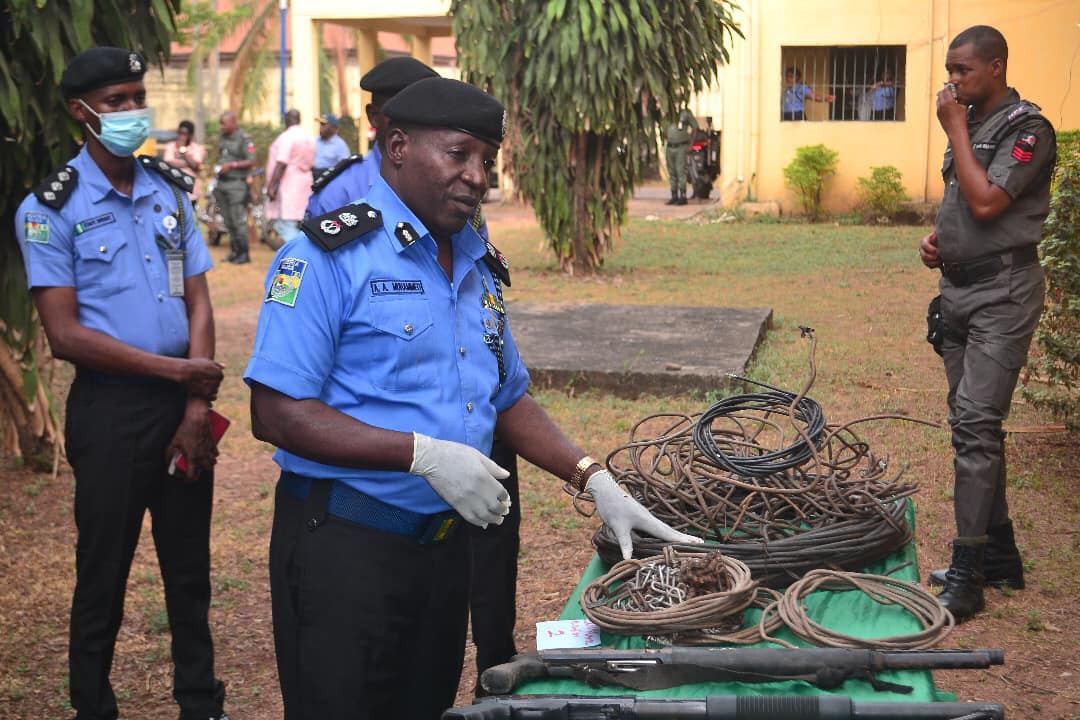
{"points": [[956, 273], [439, 527]]}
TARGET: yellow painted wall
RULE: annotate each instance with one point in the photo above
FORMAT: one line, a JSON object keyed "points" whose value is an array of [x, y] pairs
{"points": [[1043, 37]]}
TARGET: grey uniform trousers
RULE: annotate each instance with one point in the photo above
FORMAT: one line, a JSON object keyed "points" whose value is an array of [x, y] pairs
{"points": [[990, 326], [232, 199]]}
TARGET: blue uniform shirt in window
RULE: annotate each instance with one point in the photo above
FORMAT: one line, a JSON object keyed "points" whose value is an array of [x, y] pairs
{"points": [[104, 244], [883, 98], [795, 97], [377, 331], [353, 183]]}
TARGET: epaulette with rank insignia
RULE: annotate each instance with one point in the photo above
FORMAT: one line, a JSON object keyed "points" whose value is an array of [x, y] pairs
{"points": [[330, 173], [57, 188], [498, 264], [173, 174], [341, 226]]}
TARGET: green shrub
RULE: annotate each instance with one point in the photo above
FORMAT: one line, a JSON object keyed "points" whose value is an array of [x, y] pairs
{"points": [[881, 194], [1055, 358], [806, 175]]}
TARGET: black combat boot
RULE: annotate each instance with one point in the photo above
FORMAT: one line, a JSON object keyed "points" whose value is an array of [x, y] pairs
{"points": [[1002, 564], [682, 197], [674, 199], [963, 593]]}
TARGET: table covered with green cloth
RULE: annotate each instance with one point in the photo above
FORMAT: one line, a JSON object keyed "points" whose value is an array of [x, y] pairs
{"points": [[849, 612]]}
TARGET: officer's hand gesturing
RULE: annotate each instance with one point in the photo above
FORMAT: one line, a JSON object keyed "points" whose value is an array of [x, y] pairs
{"points": [[202, 377], [928, 250], [465, 478], [622, 513]]}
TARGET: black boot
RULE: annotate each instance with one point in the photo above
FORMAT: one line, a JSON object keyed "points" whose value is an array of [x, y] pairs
{"points": [[1002, 564], [963, 593], [682, 197], [674, 199]]}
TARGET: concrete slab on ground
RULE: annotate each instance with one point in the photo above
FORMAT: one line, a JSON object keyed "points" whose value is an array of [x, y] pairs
{"points": [[634, 349]]}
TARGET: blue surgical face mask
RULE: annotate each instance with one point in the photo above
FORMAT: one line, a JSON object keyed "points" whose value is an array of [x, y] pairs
{"points": [[122, 133]]}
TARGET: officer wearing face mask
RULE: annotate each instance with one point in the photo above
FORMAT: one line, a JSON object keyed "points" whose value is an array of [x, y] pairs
{"points": [[116, 265]]}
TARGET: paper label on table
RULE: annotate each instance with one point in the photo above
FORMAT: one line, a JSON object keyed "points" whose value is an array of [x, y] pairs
{"points": [[560, 634]]}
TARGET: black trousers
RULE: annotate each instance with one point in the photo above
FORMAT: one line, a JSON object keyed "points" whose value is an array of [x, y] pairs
{"points": [[367, 624], [116, 437], [493, 602]]}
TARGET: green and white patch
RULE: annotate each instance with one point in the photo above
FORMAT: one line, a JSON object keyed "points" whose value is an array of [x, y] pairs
{"points": [[285, 286]]}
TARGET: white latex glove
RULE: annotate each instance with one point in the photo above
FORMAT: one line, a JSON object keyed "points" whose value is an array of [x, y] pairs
{"points": [[622, 513], [466, 479]]}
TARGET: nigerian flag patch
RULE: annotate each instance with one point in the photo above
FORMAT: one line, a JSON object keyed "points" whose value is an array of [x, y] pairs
{"points": [[286, 283]]}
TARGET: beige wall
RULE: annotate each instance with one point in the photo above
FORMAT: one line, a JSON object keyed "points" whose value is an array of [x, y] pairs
{"points": [[1043, 38]]}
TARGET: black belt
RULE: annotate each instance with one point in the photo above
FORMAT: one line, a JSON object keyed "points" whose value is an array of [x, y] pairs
{"points": [[100, 378], [961, 274], [359, 508]]}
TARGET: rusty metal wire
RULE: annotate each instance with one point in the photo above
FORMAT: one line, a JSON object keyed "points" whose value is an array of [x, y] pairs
{"points": [[676, 593], [766, 473]]}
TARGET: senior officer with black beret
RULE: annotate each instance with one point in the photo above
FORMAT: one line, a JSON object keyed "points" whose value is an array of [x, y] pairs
{"points": [[116, 265], [383, 364]]}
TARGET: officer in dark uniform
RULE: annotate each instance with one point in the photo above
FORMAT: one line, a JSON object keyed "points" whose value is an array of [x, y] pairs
{"points": [[678, 147], [236, 158], [116, 265], [495, 549], [997, 172], [383, 361]]}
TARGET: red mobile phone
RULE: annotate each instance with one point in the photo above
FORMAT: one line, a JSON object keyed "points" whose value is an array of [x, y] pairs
{"points": [[218, 424]]}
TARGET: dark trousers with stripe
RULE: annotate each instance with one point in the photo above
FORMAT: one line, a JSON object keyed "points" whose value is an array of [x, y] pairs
{"points": [[116, 438], [493, 601], [367, 624]]}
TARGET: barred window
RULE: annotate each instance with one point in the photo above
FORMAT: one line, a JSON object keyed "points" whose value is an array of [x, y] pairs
{"points": [[859, 82]]}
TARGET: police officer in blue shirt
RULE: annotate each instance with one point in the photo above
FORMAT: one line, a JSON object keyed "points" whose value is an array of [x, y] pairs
{"points": [[351, 178], [116, 265], [383, 364]]}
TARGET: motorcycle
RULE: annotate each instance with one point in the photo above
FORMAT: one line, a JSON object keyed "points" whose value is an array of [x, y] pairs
{"points": [[704, 165], [258, 226]]}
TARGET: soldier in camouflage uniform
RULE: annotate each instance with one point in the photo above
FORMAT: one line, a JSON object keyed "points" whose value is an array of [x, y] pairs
{"points": [[997, 172], [236, 157], [678, 141]]}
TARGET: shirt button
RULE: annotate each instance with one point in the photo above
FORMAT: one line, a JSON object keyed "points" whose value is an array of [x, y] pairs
{"points": [[462, 350], [103, 249], [469, 406], [161, 297], [147, 258], [408, 328]]}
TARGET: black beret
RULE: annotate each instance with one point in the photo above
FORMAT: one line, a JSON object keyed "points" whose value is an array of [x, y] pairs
{"points": [[442, 102], [101, 66], [390, 76]]}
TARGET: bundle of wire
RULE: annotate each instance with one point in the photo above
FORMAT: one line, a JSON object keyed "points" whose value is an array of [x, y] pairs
{"points": [[767, 477]]}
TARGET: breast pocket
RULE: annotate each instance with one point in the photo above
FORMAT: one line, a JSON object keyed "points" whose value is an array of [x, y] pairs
{"points": [[99, 265], [405, 350]]}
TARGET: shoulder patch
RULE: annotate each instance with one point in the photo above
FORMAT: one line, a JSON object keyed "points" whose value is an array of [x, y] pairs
{"points": [[497, 263], [330, 173], [341, 226], [57, 188], [173, 174]]}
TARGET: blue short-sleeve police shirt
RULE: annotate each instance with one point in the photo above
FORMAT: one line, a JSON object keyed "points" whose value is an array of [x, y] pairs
{"points": [[376, 330], [111, 249]]}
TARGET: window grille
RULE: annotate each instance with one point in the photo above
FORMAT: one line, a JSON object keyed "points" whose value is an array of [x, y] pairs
{"points": [[860, 82]]}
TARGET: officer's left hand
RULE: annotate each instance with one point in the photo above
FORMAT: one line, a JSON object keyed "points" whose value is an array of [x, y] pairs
{"points": [[194, 440], [951, 112], [622, 513], [928, 250]]}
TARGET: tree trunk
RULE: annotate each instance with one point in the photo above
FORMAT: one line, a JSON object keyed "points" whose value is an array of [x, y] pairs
{"points": [[29, 431], [342, 78], [581, 263]]}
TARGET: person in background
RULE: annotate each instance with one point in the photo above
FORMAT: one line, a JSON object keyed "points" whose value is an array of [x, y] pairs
{"points": [[998, 166], [117, 269], [883, 97], [236, 158], [330, 148], [383, 363], [351, 178], [679, 134], [288, 172], [793, 101], [186, 154]]}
